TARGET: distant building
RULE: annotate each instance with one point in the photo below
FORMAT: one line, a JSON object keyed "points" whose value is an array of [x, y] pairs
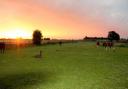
{"points": [[46, 38], [95, 38]]}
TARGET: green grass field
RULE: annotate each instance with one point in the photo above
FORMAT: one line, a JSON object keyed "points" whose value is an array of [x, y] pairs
{"points": [[70, 66]]}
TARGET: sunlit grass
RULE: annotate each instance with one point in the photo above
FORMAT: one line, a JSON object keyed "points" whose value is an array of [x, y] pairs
{"points": [[70, 66]]}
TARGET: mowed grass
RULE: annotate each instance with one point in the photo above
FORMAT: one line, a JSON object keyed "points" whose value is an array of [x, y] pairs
{"points": [[70, 66]]}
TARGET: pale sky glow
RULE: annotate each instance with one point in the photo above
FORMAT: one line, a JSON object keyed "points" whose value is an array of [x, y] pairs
{"points": [[63, 18]]}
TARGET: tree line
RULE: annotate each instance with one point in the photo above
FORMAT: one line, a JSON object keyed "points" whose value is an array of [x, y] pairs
{"points": [[112, 35], [37, 37]]}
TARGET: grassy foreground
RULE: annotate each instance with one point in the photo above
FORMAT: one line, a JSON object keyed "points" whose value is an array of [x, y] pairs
{"points": [[70, 66]]}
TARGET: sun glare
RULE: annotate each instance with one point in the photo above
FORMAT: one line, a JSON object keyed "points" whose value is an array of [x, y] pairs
{"points": [[17, 33]]}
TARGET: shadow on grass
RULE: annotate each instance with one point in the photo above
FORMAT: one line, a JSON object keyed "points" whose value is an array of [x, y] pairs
{"points": [[23, 80]]}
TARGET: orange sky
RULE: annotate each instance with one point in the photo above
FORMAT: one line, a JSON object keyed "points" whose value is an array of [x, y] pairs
{"points": [[20, 17]]}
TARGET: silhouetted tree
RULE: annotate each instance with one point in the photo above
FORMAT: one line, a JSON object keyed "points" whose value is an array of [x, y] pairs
{"points": [[37, 37], [112, 35]]}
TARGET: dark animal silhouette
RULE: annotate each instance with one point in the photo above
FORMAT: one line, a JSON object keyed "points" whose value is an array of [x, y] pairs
{"points": [[60, 43], [108, 44], [98, 44], [2, 47], [39, 55], [105, 44]]}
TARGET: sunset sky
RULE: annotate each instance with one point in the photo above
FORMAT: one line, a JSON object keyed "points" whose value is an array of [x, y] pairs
{"points": [[69, 19]]}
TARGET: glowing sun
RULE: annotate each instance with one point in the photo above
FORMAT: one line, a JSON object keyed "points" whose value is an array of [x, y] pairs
{"points": [[17, 33]]}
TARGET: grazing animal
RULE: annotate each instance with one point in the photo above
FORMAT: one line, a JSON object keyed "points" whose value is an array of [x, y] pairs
{"points": [[105, 44], [108, 45], [2, 47], [39, 55], [98, 44], [60, 43]]}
